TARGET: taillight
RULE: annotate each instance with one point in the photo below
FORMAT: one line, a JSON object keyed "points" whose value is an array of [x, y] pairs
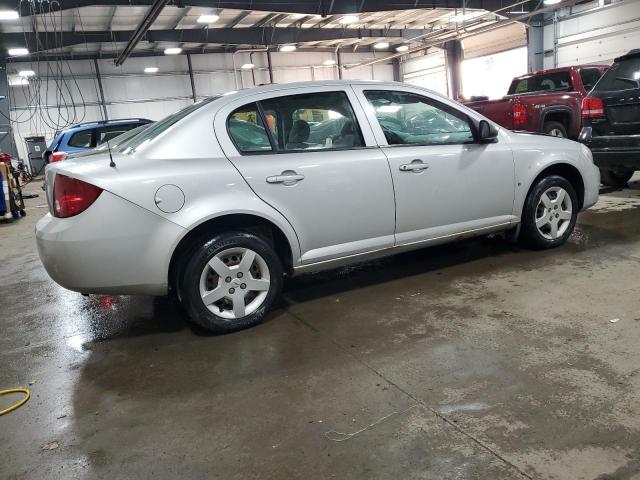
{"points": [[592, 107], [58, 156], [519, 115], [72, 196]]}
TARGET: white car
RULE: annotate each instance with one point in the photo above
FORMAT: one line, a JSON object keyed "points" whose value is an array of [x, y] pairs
{"points": [[221, 199]]}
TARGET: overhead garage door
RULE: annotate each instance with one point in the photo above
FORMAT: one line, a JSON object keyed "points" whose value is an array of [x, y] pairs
{"points": [[428, 71]]}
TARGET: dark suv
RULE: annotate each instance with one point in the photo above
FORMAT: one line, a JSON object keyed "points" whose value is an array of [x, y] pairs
{"points": [[85, 136], [611, 119]]}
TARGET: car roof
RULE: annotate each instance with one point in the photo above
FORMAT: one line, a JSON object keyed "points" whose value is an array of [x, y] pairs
{"points": [[631, 54], [274, 87], [106, 123]]}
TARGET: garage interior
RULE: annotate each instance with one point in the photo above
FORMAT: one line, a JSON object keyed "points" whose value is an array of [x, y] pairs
{"points": [[474, 360]]}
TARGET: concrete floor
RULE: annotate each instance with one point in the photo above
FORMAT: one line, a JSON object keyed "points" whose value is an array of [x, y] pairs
{"points": [[477, 360]]}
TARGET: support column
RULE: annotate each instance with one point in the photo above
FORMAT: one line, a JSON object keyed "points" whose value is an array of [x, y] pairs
{"points": [[453, 51], [193, 83], [339, 55], [397, 69], [270, 66], [103, 104], [535, 48], [7, 143]]}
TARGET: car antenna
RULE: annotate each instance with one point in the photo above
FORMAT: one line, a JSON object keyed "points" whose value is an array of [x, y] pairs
{"points": [[111, 162]]}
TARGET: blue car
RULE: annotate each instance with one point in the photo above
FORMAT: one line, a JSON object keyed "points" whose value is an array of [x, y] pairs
{"points": [[85, 136]]}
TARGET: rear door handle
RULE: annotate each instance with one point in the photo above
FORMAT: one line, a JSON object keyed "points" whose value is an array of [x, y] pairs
{"points": [[288, 177], [414, 166]]}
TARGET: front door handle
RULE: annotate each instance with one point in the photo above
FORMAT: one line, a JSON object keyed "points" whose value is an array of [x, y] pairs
{"points": [[288, 177], [414, 166]]}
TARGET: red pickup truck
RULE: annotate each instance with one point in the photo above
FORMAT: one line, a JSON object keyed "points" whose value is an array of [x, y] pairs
{"points": [[547, 101]]}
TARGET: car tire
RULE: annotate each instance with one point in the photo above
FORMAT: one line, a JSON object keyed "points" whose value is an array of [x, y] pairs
{"points": [[241, 276], [555, 129], [615, 178], [549, 216]]}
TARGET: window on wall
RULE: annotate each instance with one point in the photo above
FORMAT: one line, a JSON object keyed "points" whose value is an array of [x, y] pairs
{"points": [[408, 119], [490, 75], [313, 121]]}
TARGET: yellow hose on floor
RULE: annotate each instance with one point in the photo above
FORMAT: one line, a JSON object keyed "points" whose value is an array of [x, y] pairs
{"points": [[27, 395]]}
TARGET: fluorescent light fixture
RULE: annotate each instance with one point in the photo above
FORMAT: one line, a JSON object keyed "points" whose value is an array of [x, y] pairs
{"points": [[211, 18], [349, 19], [16, 52], [9, 15], [551, 2], [172, 50], [26, 73], [329, 62], [402, 48], [381, 45], [18, 81], [389, 108], [150, 69], [247, 66], [287, 48]]}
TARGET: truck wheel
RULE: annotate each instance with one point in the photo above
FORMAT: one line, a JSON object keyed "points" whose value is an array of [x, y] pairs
{"points": [[549, 214], [615, 178], [555, 129]]}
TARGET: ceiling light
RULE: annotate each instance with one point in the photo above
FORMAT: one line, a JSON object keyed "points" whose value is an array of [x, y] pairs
{"points": [[349, 19], [402, 48], [18, 81], [381, 45], [26, 73], [172, 50], [9, 15], [329, 62], [151, 70], [551, 2], [247, 66], [287, 48], [16, 52], [211, 18]]}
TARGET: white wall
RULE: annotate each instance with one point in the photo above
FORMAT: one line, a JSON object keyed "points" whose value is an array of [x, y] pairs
{"points": [[593, 34], [129, 92]]}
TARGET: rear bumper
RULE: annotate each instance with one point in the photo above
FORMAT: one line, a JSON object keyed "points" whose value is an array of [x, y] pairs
{"points": [[113, 247], [613, 151]]}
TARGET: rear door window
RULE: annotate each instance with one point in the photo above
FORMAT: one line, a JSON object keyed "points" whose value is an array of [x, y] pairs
{"points": [[624, 75], [550, 82], [82, 139], [247, 130]]}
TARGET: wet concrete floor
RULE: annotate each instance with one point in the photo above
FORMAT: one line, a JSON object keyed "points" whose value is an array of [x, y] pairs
{"points": [[477, 360]]}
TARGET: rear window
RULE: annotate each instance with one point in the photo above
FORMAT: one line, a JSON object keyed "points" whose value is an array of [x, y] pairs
{"points": [[82, 139], [157, 128], [550, 82], [624, 75]]}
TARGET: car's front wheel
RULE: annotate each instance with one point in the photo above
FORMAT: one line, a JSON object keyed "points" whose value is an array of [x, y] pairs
{"points": [[549, 213], [230, 281], [615, 178]]}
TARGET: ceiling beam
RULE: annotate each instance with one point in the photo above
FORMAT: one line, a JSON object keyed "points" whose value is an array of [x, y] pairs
{"points": [[232, 36], [309, 7], [139, 33]]}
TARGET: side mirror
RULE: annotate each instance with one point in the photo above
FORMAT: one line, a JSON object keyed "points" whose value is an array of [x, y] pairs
{"points": [[487, 133]]}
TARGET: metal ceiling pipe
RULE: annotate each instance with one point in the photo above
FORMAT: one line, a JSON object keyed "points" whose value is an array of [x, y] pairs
{"points": [[233, 60], [139, 32], [456, 36]]}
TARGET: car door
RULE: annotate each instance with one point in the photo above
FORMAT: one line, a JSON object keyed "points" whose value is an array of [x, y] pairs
{"points": [[311, 155], [445, 182]]}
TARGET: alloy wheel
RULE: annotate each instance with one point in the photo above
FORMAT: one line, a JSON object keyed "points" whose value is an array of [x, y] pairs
{"points": [[554, 213], [234, 283], [556, 132]]}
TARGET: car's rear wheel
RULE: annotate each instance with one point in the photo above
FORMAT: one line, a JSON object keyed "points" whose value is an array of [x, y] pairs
{"points": [[555, 129], [615, 178], [230, 281], [549, 213]]}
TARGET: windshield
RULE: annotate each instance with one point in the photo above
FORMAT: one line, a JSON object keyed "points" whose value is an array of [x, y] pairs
{"points": [[157, 128], [623, 75]]}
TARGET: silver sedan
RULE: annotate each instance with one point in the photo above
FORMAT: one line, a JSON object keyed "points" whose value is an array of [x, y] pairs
{"points": [[220, 200]]}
